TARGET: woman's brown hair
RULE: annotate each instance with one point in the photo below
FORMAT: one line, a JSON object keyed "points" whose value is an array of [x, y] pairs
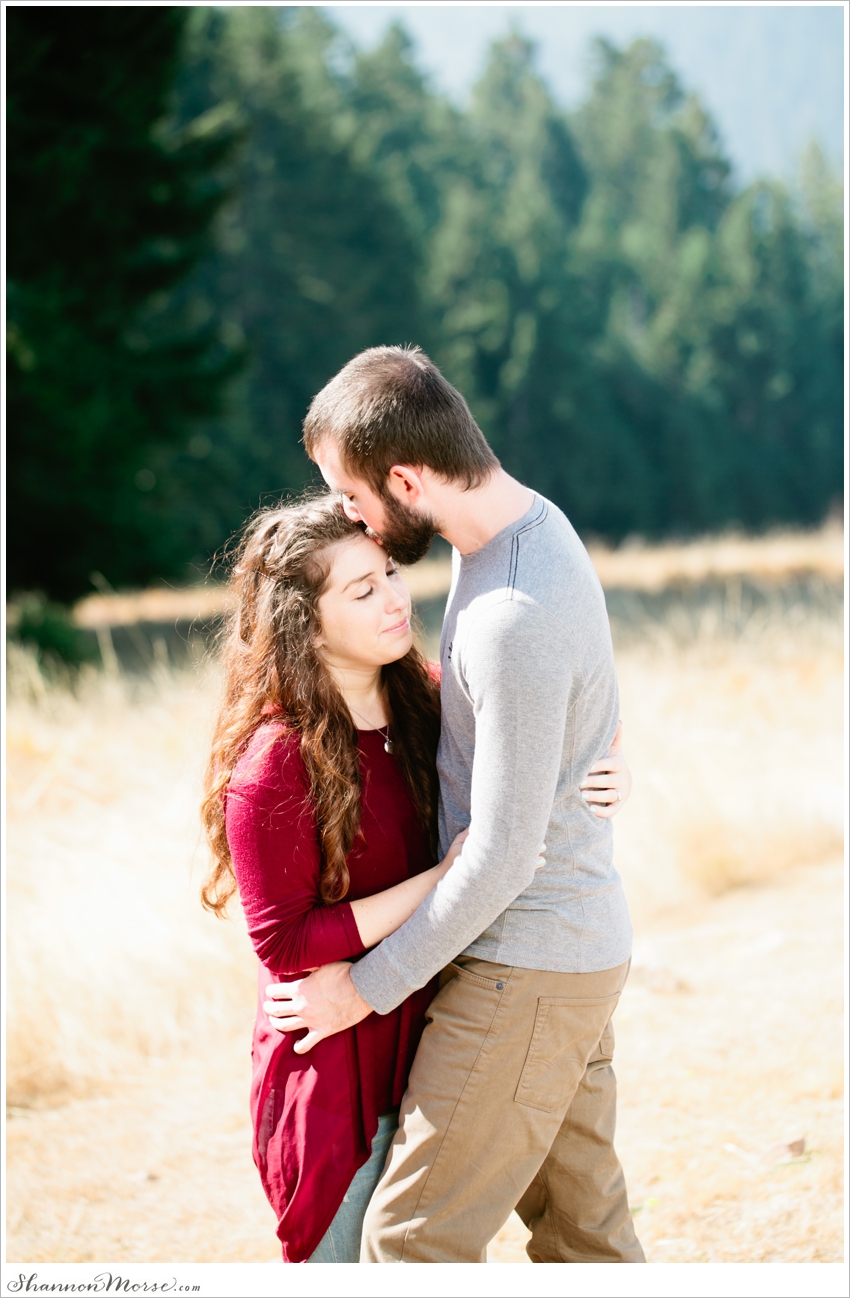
{"points": [[272, 668]]}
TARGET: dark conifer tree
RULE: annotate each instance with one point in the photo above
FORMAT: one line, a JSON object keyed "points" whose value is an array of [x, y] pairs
{"points": [[108, 209], [654, 348]]}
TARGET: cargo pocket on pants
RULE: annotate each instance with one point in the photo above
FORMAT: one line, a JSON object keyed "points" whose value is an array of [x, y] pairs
{"points": [[566, 1033]]}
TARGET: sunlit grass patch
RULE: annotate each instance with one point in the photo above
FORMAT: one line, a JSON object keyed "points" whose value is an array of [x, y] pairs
{"points": [[111, 959], [734, 733]]}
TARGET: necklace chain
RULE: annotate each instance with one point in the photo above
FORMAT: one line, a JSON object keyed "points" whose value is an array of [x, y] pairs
{"points": [[388, 743]]}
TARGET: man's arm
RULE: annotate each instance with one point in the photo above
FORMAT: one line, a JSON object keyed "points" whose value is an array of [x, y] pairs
{"points": [[522, 680], [521, 677]]}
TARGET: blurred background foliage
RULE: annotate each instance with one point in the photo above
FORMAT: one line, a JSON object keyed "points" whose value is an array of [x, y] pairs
{"points": [[209, 212]]}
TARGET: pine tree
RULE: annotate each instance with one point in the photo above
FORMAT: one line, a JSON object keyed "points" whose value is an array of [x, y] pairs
{"points": [[108, 210], [312, 263], [655, 349]]}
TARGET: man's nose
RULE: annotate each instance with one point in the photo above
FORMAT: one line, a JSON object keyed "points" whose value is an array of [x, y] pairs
{"points": [[351, 511]]}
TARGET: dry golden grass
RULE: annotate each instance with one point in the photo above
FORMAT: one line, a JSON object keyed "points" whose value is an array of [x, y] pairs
{"points": [[777, 557], [130, 1010], [735, 735], [158, 604], [107, 935]]}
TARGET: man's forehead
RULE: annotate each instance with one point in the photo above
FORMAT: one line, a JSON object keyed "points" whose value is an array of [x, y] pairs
{"points": [[333, 470]]}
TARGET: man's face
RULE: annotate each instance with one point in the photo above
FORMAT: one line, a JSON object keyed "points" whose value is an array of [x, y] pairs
{"points": [[403, 533]]}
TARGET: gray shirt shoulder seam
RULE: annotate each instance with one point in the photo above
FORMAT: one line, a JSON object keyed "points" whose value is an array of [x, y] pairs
{"points": [[514, 559]]}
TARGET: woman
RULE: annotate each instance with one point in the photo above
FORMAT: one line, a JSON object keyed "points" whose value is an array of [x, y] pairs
{"points": [[320, 806]]}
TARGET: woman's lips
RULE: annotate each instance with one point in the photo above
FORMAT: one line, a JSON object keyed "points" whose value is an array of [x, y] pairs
{"points": [[404, 625]]}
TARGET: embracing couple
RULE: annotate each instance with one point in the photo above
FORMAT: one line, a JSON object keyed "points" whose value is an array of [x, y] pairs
{"points": [[423, 853]]}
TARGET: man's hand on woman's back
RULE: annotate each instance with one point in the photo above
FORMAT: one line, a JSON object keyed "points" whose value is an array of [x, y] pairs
{"points": [[324, 1002]]}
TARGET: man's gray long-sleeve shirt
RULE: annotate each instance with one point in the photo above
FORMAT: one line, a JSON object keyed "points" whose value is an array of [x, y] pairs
{"points": [[529, 699]]}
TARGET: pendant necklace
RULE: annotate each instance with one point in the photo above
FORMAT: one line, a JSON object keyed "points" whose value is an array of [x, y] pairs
{"points": [[388, 743]]}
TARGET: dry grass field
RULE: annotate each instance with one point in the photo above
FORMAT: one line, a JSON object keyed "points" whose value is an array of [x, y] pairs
{"points": [[130, 1010]]}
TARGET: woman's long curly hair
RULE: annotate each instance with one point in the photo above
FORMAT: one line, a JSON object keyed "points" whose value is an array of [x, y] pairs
{"points": [[272, 667]]}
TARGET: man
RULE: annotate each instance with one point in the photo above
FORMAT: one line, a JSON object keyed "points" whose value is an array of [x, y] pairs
{"points": [[511, 1100]]}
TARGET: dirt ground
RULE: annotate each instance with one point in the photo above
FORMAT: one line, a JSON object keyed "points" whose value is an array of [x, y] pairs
{"points": [[729, 1050]]}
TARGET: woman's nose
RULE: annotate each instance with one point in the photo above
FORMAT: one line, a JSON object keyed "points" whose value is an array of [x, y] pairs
{"points": [[398, 600]]}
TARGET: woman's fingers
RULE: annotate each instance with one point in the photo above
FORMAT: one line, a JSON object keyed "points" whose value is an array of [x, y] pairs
{"points": [[609, 764], [609, 781], [457, 846], [612, 780]]}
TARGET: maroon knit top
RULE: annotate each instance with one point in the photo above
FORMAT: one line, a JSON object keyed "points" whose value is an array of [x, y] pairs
{"points": [[315, 1115]]}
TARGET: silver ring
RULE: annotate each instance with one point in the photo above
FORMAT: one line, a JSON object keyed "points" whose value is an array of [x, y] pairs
{"points": [[619, 796]]}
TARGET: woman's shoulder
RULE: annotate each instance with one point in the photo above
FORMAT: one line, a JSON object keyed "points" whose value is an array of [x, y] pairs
{"points": [[272, 758]]}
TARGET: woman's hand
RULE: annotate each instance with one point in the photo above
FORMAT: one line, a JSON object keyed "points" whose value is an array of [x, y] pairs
{"points": [[609, 781], [454, 851]]}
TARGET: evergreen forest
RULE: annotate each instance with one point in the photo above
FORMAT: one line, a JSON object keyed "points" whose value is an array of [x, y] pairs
{"points": [[210, 210]]}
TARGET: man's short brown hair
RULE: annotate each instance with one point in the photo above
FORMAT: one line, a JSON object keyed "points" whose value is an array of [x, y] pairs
{"points": [[391, 405]]}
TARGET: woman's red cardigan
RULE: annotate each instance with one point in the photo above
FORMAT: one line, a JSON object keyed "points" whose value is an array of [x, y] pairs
{"points": [[315, 1115]]}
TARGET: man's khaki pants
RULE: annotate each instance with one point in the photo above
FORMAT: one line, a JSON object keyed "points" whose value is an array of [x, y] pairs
{"points": [[511, 1104]]}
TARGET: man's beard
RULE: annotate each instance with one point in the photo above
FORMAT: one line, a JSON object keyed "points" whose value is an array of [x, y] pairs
{"points": [[405, 536]]}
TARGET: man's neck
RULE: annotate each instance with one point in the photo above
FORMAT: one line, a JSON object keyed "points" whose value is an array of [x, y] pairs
{"points": [[473, 518]]}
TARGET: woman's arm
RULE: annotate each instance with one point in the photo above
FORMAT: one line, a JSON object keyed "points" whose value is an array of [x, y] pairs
{"points": [[277, 859], [378, 916]]}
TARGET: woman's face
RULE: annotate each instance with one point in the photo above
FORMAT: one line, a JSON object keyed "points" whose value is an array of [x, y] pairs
{"points": [[364, 610]]}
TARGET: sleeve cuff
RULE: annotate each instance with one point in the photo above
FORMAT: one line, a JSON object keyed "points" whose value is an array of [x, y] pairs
{"points": [[353, 941], [379, 983]]}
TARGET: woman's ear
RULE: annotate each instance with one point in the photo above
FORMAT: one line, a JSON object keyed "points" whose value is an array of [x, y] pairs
{"points": [[318, 635]]}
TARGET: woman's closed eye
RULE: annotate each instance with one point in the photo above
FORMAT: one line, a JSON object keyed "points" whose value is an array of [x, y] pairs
{"points": [[392, 571]]}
